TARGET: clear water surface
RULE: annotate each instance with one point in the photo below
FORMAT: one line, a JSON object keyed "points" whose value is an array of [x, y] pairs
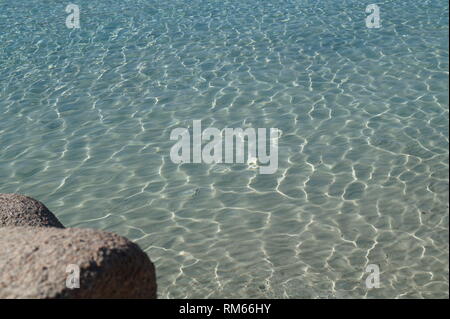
{"points": [[86, 115]]}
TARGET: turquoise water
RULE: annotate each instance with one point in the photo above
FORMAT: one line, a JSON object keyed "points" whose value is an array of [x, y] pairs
{"points": [[86, 116]]}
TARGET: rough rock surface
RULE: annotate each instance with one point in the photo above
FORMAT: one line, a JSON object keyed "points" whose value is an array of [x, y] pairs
{"points": [[19, 210], [33, 264]]}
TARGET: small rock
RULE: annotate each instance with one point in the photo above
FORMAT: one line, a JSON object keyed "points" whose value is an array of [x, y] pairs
{"points": [[19, 210]]}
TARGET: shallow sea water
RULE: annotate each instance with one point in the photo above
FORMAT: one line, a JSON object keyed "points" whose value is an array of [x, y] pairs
{"points": [[86, 115]]}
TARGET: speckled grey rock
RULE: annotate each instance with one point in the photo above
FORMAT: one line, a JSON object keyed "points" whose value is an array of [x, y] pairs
{"points": [[34, 261], [19, 210]]}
